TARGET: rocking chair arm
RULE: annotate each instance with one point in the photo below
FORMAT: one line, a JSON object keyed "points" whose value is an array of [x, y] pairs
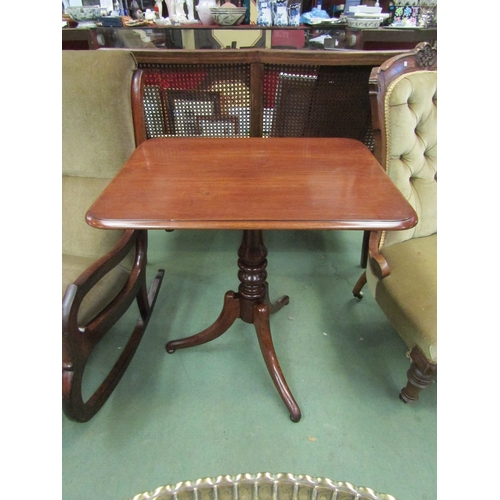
{"points": [[76, 292], [378, 264], [87, 280]]}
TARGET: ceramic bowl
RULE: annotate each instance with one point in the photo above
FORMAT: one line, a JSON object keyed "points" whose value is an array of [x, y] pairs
{"points": [[363, 22], [227, 16], [203, 9], [86, 13]]}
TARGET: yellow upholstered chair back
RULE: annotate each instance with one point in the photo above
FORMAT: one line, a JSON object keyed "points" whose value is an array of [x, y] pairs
{"points": [[408, 122], [97, 139]]}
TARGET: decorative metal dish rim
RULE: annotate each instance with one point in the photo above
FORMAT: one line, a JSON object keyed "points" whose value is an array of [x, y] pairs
{"points": [[319, 487]]}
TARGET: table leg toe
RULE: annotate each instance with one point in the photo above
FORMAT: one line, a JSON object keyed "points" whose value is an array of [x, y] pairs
{"points": [[276, 305]]}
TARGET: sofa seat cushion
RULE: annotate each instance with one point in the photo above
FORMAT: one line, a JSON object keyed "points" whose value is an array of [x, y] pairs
{"points": [[408, 296], [101, 294]]}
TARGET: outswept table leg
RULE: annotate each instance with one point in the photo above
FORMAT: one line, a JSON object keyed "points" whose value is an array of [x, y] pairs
{"points": [[263, 329], [252, 305], [230, 312]]}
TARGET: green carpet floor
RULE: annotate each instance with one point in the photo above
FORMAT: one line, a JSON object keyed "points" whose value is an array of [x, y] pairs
{"points": [[213, 410]]}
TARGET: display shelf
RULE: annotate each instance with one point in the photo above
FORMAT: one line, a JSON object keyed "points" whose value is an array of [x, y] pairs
{"points": [[198, 36]]}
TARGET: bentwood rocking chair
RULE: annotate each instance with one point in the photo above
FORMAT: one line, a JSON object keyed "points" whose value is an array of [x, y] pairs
{"points": [[401, 271], [104, 272]]}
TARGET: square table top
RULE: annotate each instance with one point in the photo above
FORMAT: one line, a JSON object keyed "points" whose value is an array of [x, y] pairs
{"points": [[251, 183]]}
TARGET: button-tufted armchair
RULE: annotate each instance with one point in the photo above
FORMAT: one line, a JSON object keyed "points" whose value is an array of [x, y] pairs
{"points": [[103, 272], [401, 271]]}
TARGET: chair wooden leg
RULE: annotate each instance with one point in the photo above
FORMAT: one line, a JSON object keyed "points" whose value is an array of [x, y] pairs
{"points": [[356, 291], [363, 261], [420, 375]]}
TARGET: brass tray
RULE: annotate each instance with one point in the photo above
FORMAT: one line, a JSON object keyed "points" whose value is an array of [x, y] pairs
{"points": [[263, 486]]}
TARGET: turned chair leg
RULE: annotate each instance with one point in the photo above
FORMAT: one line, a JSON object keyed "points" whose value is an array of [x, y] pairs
{"points": [[420, 375], [356, 291]]}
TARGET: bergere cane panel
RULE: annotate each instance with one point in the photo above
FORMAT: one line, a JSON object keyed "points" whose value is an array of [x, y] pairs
{"points": [[341, 106], [289, 100], [288, 95], [210, 100], [318, 101]]}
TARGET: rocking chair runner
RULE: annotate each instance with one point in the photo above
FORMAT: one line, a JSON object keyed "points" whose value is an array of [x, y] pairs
{"points": [[401, 270], [104, 272]]}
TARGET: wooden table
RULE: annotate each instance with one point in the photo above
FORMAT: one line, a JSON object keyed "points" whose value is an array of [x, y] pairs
{"points": [[251, 184]]}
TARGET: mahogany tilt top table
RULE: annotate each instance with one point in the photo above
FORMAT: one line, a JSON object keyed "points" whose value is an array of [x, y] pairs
{"points": [[251, 184]]}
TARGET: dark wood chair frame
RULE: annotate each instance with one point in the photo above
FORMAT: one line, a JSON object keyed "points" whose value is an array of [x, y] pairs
{"points": [[78, 342]]}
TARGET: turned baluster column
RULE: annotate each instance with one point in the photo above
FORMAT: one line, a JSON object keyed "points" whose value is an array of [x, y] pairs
{"points": [[252, 274]]}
